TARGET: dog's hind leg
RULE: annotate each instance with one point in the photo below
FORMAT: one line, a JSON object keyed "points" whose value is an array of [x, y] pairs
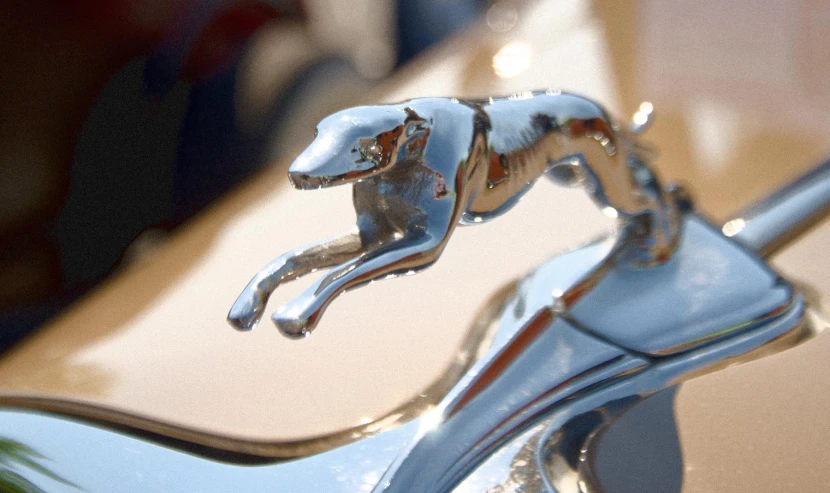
{"points": [[298, 317], [250, 305]]}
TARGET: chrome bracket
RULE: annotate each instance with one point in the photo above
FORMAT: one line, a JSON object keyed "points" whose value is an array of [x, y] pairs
{"points": [[611, 335]]}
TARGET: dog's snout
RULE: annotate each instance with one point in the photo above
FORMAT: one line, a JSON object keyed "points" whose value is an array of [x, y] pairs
{"points": [[302, 181]]}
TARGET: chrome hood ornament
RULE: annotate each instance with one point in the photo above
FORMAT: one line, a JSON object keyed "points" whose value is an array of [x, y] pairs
{"points": [[422, 167], [584, 336]]}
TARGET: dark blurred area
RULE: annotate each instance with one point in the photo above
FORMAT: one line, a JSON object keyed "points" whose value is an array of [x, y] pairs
{"points": [[121, 119]]}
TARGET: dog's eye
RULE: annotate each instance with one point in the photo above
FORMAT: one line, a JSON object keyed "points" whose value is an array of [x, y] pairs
{"points": [[316, 131], [371, 150]]}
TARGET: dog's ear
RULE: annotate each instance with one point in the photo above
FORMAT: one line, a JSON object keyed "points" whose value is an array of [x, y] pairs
{"points": [[412, 116]]}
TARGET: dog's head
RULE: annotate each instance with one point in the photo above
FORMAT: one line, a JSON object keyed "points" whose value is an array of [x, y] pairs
{"points": [[358, 143]]}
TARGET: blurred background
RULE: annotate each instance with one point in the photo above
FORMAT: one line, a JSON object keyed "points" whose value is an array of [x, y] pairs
{"points": [[121, 119]]}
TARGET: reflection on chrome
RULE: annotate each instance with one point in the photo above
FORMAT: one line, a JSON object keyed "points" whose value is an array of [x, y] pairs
{"points": [[642, 118], [733, 227]]}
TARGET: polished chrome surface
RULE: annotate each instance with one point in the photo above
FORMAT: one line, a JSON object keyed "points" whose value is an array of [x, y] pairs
{"points": [[664, 372], [560, 357], [101, 461], [709, 289], [421, 167], [772, 222], [556, 453], [546, 363]]}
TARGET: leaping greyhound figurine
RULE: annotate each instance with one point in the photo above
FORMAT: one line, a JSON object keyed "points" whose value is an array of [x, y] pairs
{"points": [[421, 167]]}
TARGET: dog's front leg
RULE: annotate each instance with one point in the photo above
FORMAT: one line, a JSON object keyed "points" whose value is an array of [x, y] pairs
{"points": [[250, 305], [298, 317]]}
